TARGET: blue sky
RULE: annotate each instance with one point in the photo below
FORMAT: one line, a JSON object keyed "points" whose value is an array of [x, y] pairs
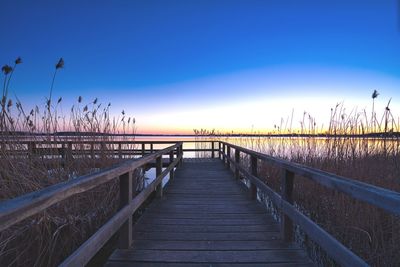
{"points": [[158, 58]]}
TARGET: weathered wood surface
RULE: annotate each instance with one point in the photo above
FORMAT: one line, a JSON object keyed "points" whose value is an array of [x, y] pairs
{"points": [[206, 218], [15, 210], [331, 246], [380, 197]]}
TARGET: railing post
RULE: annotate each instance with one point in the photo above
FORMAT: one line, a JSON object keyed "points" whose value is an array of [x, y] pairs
{"points": [[212, 149], [151, 148], [119, 150], [125, 189], [181, 154], [103, 150], [31, 149], [63, 151], [237, 161], [159, 188], [92, 150], [286, 193], [171, 159], [223, 153], [69, 152], [228, 157], [254, 172], [219, 150], [143, 149]]}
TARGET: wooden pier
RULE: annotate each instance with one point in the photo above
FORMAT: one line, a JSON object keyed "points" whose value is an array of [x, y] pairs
{"points": [[204, 216]]}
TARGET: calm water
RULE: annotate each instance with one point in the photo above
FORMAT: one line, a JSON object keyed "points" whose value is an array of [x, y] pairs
{"points": [[288, 147]]}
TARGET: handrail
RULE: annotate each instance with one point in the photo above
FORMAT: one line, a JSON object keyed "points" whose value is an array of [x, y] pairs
{"points": [[17, 209], [129, 142], [90, 247], [68, 148], [379, 197]]}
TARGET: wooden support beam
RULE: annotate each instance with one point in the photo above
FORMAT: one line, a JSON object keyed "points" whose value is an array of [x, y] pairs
{"points": [[143, 149], [171, 159], [228, 155], [212, 150], [254, 172], [159, 188], [125, 189], [92, 151], [287, 194], [237, 161], [219, 150], [69, 153], [180, 153], [223, 153]]}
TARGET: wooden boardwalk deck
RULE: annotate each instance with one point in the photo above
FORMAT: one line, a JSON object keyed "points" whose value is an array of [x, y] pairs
{"points": [[206, 218]]}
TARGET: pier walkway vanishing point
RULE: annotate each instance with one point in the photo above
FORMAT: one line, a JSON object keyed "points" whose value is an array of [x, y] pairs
{"points": [[206, 215]]}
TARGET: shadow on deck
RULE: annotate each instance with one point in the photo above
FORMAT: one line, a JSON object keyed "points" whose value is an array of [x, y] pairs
{"points": [[206, 218]]}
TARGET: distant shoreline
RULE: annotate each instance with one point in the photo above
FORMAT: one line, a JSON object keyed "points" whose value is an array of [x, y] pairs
{"points": [[82, 134]]}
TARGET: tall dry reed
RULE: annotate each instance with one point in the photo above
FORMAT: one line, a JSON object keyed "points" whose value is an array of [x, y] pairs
{"points": [[355, 145], [48, 237]]}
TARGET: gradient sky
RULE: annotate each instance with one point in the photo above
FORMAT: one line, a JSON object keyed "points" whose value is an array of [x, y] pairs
{"points": [[229, 65]]}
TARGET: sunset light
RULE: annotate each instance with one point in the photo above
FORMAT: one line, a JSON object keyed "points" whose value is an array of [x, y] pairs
{"points": [[207, 133]]}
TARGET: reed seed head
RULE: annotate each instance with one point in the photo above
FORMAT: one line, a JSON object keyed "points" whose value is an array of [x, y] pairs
{"points": [[6, 69], [18, 61], [375, 94], [60, 64]]}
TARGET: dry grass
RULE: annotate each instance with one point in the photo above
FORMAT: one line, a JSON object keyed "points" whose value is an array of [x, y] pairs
{"points": [[370, 232], [47, 238]]}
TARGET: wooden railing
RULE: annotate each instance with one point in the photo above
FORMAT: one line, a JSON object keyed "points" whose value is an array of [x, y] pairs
{"points": [[95, 149], [376, 196], [15, 210]]}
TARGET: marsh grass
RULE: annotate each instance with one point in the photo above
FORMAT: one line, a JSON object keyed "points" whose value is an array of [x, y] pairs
{"points": [[50, 236], [356, 146]]}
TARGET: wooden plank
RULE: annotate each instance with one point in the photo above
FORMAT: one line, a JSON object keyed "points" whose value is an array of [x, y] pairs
{"points": [[194, 215], [258, 256], [205, 201], [212, 245], [207, 236], [228, 207], [208, 228], [213, 264]]}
